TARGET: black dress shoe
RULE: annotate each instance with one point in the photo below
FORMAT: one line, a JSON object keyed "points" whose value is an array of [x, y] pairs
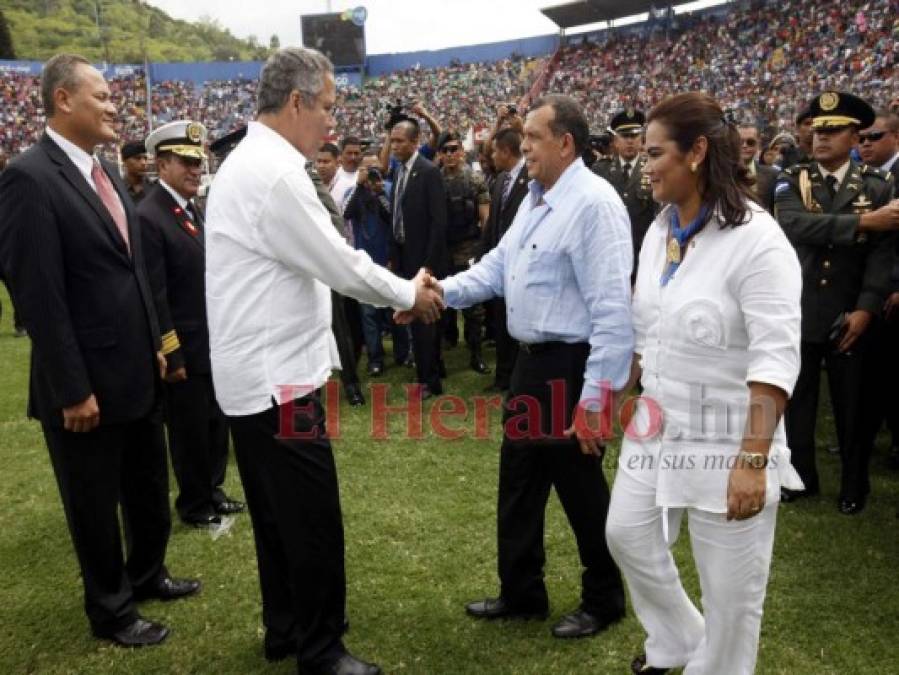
{"points": [[168, 588], [580, 624], [140, 633], [354, 396], [345, 665], [639, 667], [497, 608], [229, 506], [477, 365], [209, 520], [849, 507]]}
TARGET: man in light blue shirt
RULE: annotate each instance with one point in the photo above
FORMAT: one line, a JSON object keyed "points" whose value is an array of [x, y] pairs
{"points": [[564, 270]]}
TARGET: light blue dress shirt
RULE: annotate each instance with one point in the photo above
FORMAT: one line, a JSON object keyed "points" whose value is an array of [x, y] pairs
{"points": [[564, 268]]}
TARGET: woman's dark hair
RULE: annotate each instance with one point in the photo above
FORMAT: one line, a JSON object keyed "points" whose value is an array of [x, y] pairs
{"points": [[724, 181]]}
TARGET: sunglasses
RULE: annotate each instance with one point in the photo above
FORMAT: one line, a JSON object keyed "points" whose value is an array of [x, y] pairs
{"points": [[872, 136], [751, 142], [451, 148]]}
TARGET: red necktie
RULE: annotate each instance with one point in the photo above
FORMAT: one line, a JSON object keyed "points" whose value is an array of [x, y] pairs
{"points": [[111, 201]]}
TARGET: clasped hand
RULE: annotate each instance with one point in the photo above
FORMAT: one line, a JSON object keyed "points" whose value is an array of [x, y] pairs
{"points": [[428, 301]]}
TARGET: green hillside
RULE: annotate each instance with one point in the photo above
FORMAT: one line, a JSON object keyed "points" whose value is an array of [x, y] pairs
{"points": [[119, 31]]}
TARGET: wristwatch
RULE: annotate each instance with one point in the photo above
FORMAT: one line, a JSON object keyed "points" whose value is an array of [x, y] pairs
{"points": [[757, 460]]}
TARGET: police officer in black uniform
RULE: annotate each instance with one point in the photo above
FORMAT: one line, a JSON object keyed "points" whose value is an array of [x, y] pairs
{"points": [[626, 175], [841, 218], [172, 233], [468, 206]]}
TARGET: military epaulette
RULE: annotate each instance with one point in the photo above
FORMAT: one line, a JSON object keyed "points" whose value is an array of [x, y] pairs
{"points": [[796, 168], [873, 171]]}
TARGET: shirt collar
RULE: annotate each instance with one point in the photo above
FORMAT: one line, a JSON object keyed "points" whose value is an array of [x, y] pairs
{"points": [[83, 161], [182, 202], [517, 169], [264, 131], [888, 165], [839, 174], [556, 193], [410, 161]]}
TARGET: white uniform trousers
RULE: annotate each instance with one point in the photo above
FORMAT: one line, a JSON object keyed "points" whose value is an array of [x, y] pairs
{"points": [[733, 560]]}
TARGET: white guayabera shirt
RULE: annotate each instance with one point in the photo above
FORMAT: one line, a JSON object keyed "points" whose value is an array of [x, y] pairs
{"points": [[730, 315], [271, 256]]}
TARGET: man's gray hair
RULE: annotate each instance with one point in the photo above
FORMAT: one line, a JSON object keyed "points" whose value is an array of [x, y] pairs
{"points": [[289, 69], [59, 73]]}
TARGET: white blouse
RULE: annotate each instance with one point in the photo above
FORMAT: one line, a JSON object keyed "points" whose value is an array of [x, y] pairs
{"points": [[730, 315]]}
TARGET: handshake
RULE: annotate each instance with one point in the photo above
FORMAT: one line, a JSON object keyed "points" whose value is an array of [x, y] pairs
{"points": [[428, 300]]}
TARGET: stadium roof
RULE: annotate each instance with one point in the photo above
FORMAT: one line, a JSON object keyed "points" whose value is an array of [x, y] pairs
{"points": [[594, 11]]}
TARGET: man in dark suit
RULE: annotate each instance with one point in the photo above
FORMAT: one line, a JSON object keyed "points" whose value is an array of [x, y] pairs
{"points": [[750, 142], [171, 227], [879, 147], [626, 175], [419, 238], [509, 190], [841, 217], [70, 245]]}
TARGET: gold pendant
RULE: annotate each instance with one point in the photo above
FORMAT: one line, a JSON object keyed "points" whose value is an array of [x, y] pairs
{"points": [[673, 251]]}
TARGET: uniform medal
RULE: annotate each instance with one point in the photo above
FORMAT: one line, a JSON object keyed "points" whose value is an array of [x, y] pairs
{"points": [[673, 251]]}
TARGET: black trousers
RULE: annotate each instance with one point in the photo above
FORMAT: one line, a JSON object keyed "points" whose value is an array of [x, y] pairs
{"points": [[845, 378], [529, 467], [343, 336], [292, 493], [427, 350], [198, 441], [506, 345], [881, 399], [96, 473]]}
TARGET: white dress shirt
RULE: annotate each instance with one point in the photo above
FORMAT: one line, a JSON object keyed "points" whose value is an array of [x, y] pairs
{"points": [[82, 160], [730, 315], [839, 174], [179, 200], [271, 256]]}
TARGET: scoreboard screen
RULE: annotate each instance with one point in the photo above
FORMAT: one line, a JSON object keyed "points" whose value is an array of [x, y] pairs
{"points": [[339, 36]]}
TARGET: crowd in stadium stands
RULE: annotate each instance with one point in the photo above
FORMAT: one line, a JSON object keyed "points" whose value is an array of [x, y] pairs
{"points": [[763, 60]]}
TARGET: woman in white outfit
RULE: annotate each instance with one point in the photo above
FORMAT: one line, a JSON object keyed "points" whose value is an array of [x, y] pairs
{"points": [[717, 320]]}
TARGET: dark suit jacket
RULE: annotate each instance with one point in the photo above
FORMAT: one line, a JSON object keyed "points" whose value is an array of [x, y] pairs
{"points": [[174, 249], [636, 194], [765, 177], [842, 269], [500, 218], [86, 303], [424, 221]]}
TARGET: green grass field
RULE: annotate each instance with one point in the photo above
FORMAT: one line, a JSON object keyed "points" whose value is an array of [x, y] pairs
{"points": [[420, 534]]}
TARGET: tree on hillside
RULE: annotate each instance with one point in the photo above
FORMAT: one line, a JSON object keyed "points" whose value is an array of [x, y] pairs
{"points": [[6, 47], [274, 43]]}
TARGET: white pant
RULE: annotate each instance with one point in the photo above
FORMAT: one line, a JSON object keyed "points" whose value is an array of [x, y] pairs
{"points": [[733, 559]]}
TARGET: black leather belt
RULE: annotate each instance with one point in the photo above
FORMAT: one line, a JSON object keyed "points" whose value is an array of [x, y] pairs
{"points": [[540, 347]]}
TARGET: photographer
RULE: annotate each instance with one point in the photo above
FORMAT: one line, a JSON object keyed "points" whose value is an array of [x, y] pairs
{"points": [[397, 114], [368, 213]]}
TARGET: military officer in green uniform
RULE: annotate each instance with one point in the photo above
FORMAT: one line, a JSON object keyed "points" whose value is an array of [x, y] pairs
{"points": [[626, 175], [842, 218], [468, 206]]}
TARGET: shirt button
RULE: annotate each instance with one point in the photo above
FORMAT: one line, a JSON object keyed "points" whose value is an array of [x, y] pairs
{"points": [[823, 282], [827, 264], [830, 246], [513, 277]]}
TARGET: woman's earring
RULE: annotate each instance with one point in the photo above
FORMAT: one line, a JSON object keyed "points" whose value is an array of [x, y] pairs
{"points": [[693, 167]]}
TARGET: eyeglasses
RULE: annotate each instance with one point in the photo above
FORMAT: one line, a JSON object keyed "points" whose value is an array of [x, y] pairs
{"points": [[872, 136], [451, 148], [751, 142]]}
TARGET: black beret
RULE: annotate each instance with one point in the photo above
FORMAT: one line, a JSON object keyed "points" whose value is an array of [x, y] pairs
{"points": [[133, 149]]}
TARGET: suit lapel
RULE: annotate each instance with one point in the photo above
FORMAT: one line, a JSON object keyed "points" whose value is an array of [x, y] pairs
{"points": [[71, 173], [850, 188], [183, 220], [520, 186]]}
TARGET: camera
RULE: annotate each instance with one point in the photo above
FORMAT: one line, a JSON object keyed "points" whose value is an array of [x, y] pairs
{"points": [[512, 110], [395, 114], [374, 173], [601, 142]]}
